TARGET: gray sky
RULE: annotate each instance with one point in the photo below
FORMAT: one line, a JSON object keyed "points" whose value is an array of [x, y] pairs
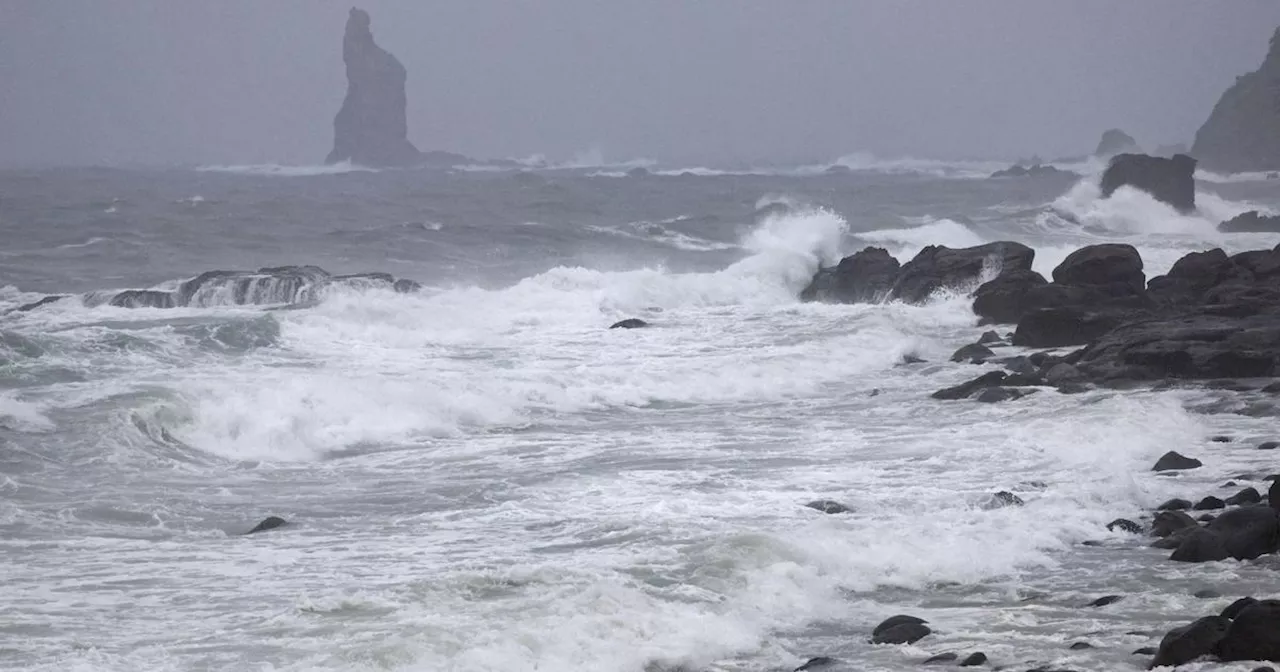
{"points": [[711, 81]]}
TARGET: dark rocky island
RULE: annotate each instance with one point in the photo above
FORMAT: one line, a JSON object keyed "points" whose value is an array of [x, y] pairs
{"points": [[1251, 222], [1171, 180], [370, 129], [1115, 141], [1243, 131]]}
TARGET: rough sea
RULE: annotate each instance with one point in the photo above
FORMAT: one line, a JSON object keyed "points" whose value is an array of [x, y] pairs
{"points": [[482, 477]]}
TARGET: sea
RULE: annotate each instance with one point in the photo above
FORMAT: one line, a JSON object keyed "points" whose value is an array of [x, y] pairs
{"points": [[482, 476]]}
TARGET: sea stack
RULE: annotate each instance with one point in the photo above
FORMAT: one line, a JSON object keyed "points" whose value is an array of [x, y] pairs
{"points": [[370, 129], [1115, 141], [1243, 131]]}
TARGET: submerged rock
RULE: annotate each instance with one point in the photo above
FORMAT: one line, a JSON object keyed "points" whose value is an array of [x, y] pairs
{"points": [[1251, 222], [1175, 460], [370, 128], [976, 658], [1242, 132], [1124, 525], [964, 390], [269, 523], [1185, 644], [1170, 181], [828, 506], [629, 323]]}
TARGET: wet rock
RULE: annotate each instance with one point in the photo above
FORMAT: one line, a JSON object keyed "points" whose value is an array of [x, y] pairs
{"points": [[990, 338], [937, 267], [941, 658], [629, 323], [1167, 523], [1020, 365], [1236, 607], [1145, 651], [1209, 503], [828, 506], [863, 277], [1207, 594], [900, 629], [1248, 532], [1185, 644], [1171, 180], [1173, 460], [964, 390], [370, 129], [1254, 634], [1112, 269], [973, 353], [1246, 496], [1105, 600], [269, 523], [1207, 518], [143, 298], [26, 307], [1242, 132], [993, 395], [1061, 374], [1200, 545], [1008, 296], [817, 664], [1269, 445], [1175, 504], [1115, 141], [1124, 525], [1060, 327], [1220, 439], [1036, 170], [976, 658], [1080, 646], [1002, 499]]}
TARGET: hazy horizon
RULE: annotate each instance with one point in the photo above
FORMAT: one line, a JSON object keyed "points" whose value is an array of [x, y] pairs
{"points": [[242, 82]]}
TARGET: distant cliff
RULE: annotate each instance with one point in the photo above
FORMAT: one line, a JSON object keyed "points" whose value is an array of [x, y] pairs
{"points": [[370, 129], [1243, 131]]}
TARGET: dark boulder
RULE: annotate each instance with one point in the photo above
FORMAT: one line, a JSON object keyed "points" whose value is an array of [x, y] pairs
{"points": [[937, 267], [1175, 460], [1114, 268], [1236, 607], [370, 129], [1200, 545], [1002, 499], [1059, 327], [863, 277], [1115, 141], [976, 658], [819, 663], [1269, 445], [1251, 222], [973, 353], [1242, 132], [828, 506], [1175, 504], [1171, 180], [629, 323], [965, 390], [143, 298], [269, 523], [1209, 503], [1185, 644], [1202, 344], [1124, 525], [1254, 634], [1105, 600], [1193, 275], [990, 338], [906, 633], [1007, 297], [941, 658], [1248, 532], [1246, 496], [1167, 523]]}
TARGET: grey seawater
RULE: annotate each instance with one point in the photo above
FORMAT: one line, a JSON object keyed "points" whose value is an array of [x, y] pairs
{"points": [[482, 476]]}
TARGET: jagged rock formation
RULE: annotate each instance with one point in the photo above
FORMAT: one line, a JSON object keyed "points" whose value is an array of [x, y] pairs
{"points": [[370, 129], [1116, 141], [1036, 170], [1251, 222], [1171, 180], [1243, 131], [872, 275]]}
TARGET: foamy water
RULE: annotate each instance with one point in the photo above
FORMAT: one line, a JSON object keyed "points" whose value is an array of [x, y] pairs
{"points": [[487, 478]]}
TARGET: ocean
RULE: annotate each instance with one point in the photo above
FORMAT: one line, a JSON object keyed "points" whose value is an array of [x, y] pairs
{"points": [[482, 476]]}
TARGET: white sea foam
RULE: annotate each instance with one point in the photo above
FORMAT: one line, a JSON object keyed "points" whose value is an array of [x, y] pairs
{"points": [[278, 170], [24, 416]]}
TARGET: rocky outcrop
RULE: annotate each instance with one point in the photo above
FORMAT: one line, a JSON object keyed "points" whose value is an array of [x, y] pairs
{"points": [[370, 128], [1171, 180], [1115, 141], [1243, 131], [280, 285], [1251, 222], [872, 275], [1036, 170], [629, 323]]}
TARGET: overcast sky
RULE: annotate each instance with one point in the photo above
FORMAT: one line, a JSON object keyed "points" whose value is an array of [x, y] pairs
{"points": [[708, 81]]}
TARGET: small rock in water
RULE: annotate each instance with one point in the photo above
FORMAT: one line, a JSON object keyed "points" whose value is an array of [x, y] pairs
{"points": [[1207, 594], [912, 358], [1269, 445], [941, 658], [1175, 504], [993, 395], [1125, 525], [989, 337], [974, 659], [1209, 503], [1079, 646], [816, 664], [1246, 496], [1002, 499], [1145, 651], [629, 323], [1169, 522], [973, 354], [1174, 460], [828, 506], [1105, 600], [1221, 438], [270, 523], [900, 629]]}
